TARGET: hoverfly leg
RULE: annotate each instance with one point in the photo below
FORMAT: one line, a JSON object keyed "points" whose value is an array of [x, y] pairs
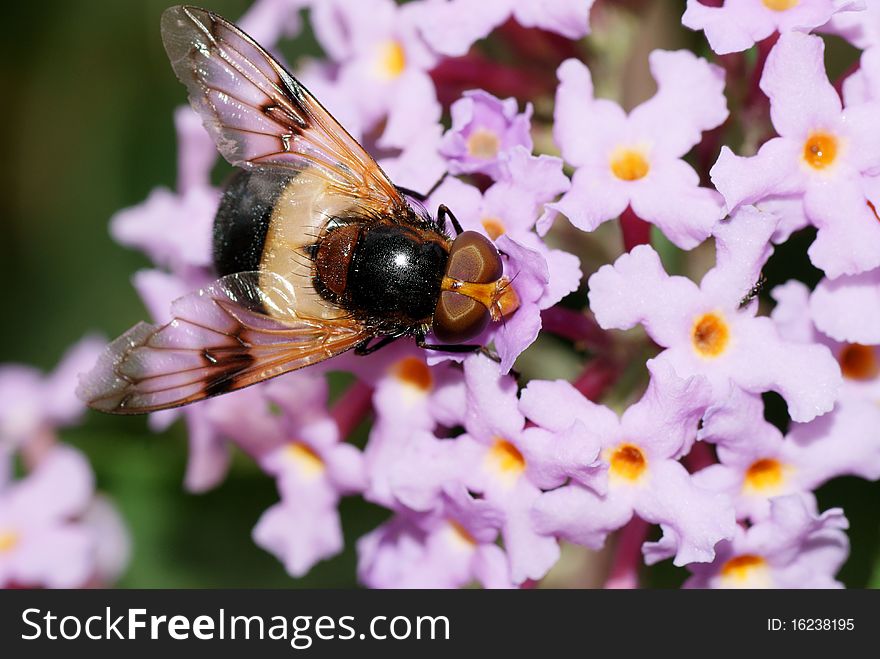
{"points": [[459, 348], [418, 196], [364, 348], [442, 213], [422, 197]]}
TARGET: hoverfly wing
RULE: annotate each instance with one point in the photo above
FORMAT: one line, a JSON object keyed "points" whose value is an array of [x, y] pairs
{"points": [[258, 114], [238, 331]]}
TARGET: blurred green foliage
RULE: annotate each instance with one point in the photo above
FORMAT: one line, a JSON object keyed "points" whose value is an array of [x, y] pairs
{"points": [[87, 115]]}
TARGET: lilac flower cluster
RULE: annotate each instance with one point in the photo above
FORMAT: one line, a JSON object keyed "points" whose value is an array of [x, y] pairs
{"points": [[486, 475], [56, 531]]}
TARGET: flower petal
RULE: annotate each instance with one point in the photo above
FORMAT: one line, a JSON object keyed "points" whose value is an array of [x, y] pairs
{"points": [[689, 100], [794, 79], [848, 308], [773, 171], [636, 289]]}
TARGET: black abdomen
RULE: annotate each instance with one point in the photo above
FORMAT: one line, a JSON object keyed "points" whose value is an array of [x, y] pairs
{"points": [[395, 271], [243, 218]]}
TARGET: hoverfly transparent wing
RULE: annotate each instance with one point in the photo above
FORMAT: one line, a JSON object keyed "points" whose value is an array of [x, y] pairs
{"points": [[258, 114], [240, 330]]}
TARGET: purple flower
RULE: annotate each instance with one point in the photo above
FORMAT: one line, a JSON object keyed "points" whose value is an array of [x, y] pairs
{"points": [[418, 165], [824, 153], [739, 24], [409, 396], [174, 229], [449, 547], [641, 451], [40, 544], [861, 28], [113, 545], [636, 160], [383, 64], [244, 417], [790, 213], [250, 419], [266, 21], [484, 480], [484, 131], [313, 474], [758, 464], [452, 26], [706, 330], [793, 548], [32, 403], [863, 86], [859, 363], [848, 308], [498, 457], [313, 469]]}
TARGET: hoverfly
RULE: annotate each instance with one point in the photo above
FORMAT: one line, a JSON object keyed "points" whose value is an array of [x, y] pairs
{"points": [[318, 252]]}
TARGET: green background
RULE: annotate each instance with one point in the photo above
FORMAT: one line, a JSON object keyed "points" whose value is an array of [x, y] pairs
{"points": [[87, 120]]}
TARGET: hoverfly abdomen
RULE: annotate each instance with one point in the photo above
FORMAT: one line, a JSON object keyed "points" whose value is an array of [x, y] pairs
{"points": [[244, 216]]}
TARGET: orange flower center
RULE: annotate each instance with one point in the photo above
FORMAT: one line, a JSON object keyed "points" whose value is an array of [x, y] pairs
{"points": [[305, 458], [780, 5], [391, 60], [8, 540], [764, 474], [415, 373], [461, 534], [483, 143], [628, 462], [629, 164], [744, 571], [858, 362], [710, 335], [506, 458], [820, 150], [494, 227]]}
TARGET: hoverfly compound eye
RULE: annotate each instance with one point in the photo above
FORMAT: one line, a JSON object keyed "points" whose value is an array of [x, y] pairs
{"points": [[459, 318], [469, 287], [474, 259]]}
